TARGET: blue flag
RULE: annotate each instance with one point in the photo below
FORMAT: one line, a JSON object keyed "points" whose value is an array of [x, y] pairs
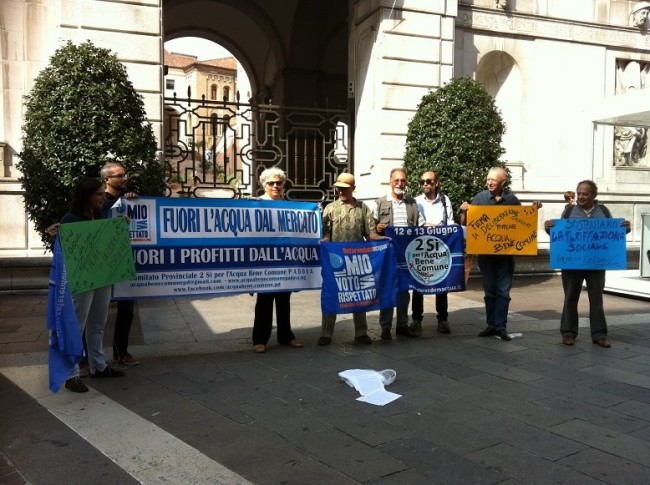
{"points": [[358, 277], [66, 348], [429, 258]]}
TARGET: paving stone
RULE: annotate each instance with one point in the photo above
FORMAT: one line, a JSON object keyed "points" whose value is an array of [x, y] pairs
{"points": [[607, 468], [625, 390], [305, 471], [352, 458], [525, 467], [440, 464], [608, 418], [609, 373], [555, 387], [527, 438], [606, 440]]}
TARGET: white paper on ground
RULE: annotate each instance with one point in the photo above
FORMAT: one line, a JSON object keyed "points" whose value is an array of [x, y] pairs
{"points": [[370, 385], [379, 398], [512, 335]]}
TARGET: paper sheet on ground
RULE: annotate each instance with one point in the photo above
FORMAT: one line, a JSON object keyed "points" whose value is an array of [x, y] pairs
{"points": [[370, 386]]}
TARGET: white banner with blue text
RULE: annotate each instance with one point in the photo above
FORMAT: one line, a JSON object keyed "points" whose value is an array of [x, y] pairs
{"points": [[189, 247]]}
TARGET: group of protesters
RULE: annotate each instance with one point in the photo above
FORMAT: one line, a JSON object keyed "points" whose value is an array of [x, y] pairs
{"points": [[350, 220]]}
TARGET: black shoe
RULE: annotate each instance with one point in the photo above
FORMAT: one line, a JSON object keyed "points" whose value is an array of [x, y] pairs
{"points": [[443, 326], [385, 334], [502, 333], [363, 339], [405, 331], [488, 332], [107, 372], [75, 384], [324, 341]]}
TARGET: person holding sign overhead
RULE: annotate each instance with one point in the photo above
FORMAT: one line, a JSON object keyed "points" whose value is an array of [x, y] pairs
{"points": [[497, 270], [273, 179], [587, 207], [91, 307]]}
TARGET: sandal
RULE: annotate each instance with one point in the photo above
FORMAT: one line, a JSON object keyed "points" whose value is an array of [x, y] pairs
{"points": [[296, 343], [259, 348]]}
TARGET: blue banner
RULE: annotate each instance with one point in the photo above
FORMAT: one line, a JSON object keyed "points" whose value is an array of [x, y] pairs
{"points": [[586, 243], [358, 277], [213, 247], [429, 258], [65, 346]]}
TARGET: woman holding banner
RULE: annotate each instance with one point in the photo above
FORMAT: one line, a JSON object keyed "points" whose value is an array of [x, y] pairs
{"points": [[273, 179], [91, 307]]}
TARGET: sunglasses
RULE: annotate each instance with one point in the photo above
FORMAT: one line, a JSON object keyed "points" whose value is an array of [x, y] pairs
{"points": [[427, 181], [275, 183]]}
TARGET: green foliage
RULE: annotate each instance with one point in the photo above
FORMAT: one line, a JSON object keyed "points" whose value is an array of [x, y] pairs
{"points": [[457, 132], [81, 113]]}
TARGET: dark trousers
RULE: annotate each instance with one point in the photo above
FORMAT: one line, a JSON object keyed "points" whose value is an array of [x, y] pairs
{"points": [[123, 322], [417, 306], [496, 273], [572, 283], [263, 323]]}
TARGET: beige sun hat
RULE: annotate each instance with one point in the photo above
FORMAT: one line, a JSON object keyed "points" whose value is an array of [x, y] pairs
{"points": [[344, 180]]}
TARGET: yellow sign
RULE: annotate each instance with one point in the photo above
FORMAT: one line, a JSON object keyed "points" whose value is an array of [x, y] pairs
{"points": [[502, 229]]}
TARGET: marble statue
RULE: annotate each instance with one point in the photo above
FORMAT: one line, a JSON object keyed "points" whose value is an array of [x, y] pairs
{"points": [[639, 15]]}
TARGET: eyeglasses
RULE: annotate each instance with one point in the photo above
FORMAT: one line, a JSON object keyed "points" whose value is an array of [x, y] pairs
{"points": [[275, 183], [400, 181], [118, 176], [427, 181]]}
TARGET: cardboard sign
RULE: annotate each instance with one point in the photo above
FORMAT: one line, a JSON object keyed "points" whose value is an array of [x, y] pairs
{"points": [[96, 253], [587, 243], [502, 229]]}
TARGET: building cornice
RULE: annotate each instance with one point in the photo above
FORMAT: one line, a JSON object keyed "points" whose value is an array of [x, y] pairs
{"points": [[535, 26]]}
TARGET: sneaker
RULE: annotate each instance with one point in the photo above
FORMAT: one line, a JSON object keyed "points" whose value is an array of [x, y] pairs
{"points": [[443, 326], [323, 341], [416, 326], [127, 359], [502, 333], [84, 369], [75, 384], [107, 372], [488, 332], [385, 334], [405, 331]]}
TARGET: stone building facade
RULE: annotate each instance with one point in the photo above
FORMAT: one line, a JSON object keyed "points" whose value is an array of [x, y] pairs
{"points": [[551, 65]]}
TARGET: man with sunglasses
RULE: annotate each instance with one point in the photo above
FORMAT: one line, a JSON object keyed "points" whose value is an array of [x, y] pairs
{"points": [[115, 179], [435, 207], [396, 209]]}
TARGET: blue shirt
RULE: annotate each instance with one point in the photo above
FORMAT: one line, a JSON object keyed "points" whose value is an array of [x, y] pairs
{"points": [[486, 198]]}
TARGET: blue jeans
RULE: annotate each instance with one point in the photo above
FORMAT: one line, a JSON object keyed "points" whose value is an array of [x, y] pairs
{"points": [[386, 315], [497, 273]]}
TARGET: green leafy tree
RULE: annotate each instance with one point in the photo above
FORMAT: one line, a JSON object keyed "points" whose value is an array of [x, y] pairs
{"points": [[456, 131], [81, 113]]}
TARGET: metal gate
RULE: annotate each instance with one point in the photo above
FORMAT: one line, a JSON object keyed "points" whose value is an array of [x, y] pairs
{"points": [[219, 148]]}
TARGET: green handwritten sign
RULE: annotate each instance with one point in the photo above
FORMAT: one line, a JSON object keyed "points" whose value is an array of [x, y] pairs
{"points": [[97, 253]]}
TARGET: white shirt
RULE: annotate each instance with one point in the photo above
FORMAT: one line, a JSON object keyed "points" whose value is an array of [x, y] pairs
{"points": [[434, 210]]}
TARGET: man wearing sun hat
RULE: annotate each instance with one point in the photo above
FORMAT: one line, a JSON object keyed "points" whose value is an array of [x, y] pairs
{"points": [[347, 220]]}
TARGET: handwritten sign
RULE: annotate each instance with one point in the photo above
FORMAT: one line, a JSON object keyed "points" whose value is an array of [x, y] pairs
{"points": [[97, 253], [502, 229], [586, 243]]}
